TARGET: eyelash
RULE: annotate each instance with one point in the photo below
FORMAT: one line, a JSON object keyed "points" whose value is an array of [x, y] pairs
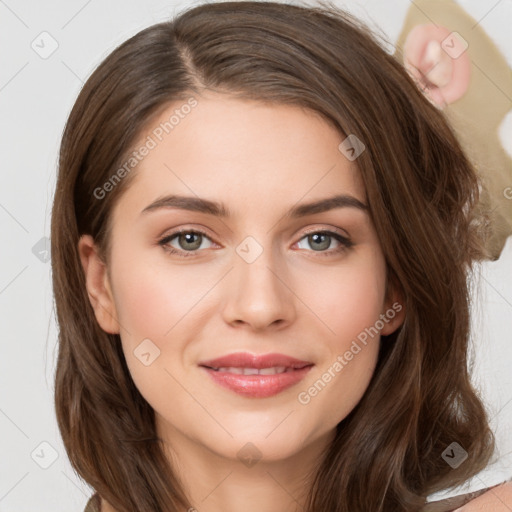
{"points": [[346, 243]]}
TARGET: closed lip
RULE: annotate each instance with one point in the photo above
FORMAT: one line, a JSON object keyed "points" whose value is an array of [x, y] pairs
{"points": [[247, 360]]}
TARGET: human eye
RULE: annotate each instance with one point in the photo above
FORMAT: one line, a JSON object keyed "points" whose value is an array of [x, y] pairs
{"points": [[191, 240], [321, 239]]}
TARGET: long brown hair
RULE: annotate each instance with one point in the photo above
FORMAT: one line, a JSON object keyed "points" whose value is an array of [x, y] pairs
{"points": [[423, 197]]}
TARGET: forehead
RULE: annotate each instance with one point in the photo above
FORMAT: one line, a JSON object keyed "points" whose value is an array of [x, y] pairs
{"points": [[219, 147]]}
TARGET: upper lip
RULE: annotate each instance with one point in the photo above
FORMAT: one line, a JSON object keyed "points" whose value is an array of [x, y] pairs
{"points": [[246, 360]]}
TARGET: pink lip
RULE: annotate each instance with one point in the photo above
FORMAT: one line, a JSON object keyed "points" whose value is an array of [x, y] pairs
{"points": [[257, 386]]}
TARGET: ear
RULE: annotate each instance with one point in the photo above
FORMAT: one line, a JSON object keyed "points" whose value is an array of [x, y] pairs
{"points": [[394, 308], [437, 60], [98, 285]]}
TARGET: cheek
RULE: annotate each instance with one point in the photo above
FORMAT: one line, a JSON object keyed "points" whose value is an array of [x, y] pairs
{"points": [[152, 299], [348, 298], [154, 307], [162, 303], [152, 304], [350, 305]]}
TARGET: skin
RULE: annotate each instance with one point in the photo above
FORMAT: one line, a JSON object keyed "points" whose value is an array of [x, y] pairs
{"points": [[443, 76], [260, 160], [498, 499]]}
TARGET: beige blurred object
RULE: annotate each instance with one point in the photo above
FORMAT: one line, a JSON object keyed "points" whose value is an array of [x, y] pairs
{"points": [[462, 72]]}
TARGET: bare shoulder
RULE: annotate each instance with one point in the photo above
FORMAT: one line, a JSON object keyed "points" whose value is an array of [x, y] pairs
{"points": [[496, 499]]}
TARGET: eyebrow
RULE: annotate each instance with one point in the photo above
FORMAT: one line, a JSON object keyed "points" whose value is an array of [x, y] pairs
{"points": [[206, 206]]}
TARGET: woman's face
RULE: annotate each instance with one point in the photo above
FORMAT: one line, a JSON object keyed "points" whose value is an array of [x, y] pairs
{"points": [[257, 280]]}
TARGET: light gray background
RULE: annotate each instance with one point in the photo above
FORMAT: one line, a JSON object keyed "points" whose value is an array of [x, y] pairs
{"points": [[36, 96]]}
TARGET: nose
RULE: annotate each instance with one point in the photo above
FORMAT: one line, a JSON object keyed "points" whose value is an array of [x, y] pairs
{"points": [[258, 293]]}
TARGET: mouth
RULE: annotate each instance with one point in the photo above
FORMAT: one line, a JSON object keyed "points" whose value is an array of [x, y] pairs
{"points": [[273, 370], [256, 376]]}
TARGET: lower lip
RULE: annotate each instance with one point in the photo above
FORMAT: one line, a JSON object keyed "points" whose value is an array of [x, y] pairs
{"points": [[258, 386]]}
